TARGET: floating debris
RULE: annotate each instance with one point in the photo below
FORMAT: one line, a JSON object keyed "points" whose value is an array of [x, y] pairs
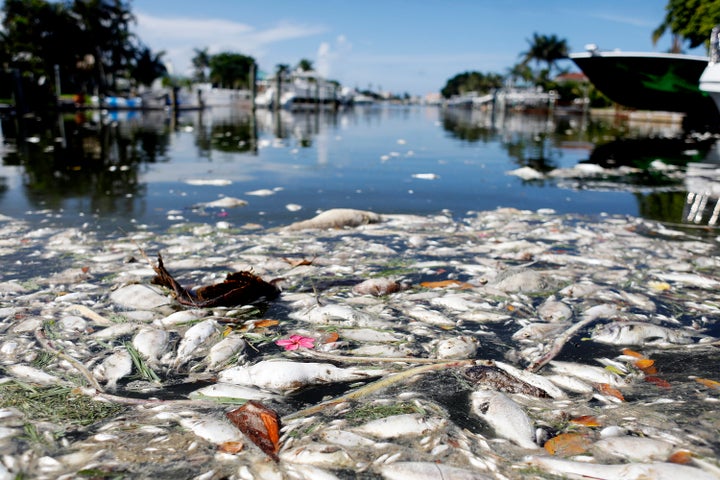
{"points": [[402, 346]]}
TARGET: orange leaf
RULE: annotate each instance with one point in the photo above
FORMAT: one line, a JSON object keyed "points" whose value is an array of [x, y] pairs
{"points": [[708, 383], [231, 447], [260, 424], [330, 337], [657, 381], [607, 389], [681, 456], [586, 421], [294, 262], [646, 365], [447, 284], [568, 444], [632, 353]]}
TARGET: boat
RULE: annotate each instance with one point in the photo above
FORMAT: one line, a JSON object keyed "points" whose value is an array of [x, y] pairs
{"points": [[300, 90], [649, 81], [710, 78]]}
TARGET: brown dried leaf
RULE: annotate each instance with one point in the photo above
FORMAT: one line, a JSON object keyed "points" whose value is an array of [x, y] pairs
{"points": [[239, 288], [568, 444], [607, 389], [231, 447], [682, 457], [586, 421], [260, 424], [294, 262], [632, 353], [657, 381], [708, 383], [447, 284]]}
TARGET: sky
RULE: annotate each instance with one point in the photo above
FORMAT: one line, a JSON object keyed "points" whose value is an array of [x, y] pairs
{"points": [[399, 46]]}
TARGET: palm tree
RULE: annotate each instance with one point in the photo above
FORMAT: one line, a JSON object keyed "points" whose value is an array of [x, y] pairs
{"points": [[688, 20], [545, 48], [201, 62], [305, 65]]}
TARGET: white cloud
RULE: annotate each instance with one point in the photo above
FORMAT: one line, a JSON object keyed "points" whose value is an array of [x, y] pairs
{"points": [[330, 59], [178, 37]]}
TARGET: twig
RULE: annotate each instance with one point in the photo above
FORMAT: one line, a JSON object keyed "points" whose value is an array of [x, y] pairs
{"points": [[360, 359], [377, 385], [45, 343], [92, 315], [96, 391], [560, 342]]}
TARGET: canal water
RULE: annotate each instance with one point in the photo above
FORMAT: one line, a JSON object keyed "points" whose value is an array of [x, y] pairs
{"points": [[127, 170]]}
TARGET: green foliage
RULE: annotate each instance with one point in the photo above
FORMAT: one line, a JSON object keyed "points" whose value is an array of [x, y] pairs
{"points": [[89, 41], [546, 49], [471, 82], [688, 21], [231, 70]]}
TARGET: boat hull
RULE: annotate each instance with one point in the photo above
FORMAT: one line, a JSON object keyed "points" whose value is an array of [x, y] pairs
{"points": [[650, 81]]}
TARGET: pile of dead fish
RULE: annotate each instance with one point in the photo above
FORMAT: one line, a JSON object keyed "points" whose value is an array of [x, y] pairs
{"points": [[507, 344]]}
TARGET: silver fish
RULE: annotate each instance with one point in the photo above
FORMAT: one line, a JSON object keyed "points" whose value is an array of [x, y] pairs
{"points": [[504, 416], [638, 333]]}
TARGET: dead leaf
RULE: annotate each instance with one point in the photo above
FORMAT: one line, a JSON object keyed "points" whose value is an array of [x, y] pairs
{"points": [[231, 447], [447, 284], [294, 262], [682, 457], [239, 288], [568, 444], [708, 383], [607, 389], [646, 365], [632, 353], [586, 421], [260, 424], [330, 337], [657, 381]]}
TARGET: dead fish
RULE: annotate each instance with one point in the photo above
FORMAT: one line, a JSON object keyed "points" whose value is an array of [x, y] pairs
{"points": [[554, 311], [377, 287], [287, 376], [225, 349], [193, 338], [631, 471], [337, 218], [427, 471], [402, 425], [114, 367], [463, 346], [505, 416], [496, 379], [538, 331], [638, 333], [589, 373], [151, 343]]}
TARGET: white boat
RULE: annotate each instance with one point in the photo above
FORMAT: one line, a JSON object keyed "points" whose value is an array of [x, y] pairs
{"points": [[300, 90], [710, 78]]}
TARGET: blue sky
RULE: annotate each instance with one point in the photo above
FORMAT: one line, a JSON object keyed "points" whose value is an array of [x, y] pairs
{"points": [[411, 46]]}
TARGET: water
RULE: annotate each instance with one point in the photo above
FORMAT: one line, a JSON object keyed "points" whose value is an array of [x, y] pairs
{"points": [[132, 170]]}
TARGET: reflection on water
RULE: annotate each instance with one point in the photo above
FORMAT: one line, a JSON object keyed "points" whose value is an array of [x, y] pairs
{"points": [[127, 169]]}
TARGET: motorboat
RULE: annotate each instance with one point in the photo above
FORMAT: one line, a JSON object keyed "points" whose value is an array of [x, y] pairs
{"points": [[649, 81], [710, 78]]}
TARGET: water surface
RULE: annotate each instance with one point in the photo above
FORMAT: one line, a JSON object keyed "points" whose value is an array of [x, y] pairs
{"points": [[150, 170]]}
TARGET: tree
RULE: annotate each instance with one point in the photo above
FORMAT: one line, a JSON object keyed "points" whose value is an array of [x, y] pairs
{"points": [[106, 28], [688, 21], [305, 65], [545, 48], [201, 63], [231, 70], [148, 66], [471, 82], [90, 41]]}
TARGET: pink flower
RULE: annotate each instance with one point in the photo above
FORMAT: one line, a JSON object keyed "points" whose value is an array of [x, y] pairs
{"points": [[295, 342]]}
